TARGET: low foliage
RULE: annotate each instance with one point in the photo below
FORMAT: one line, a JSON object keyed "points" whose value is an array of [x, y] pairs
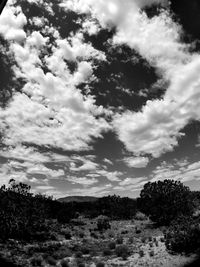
{"points": [[122, 251], [183, 235], [165, 200]]}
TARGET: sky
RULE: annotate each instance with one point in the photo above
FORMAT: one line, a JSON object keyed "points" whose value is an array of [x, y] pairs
{"points": [[99, 97]]}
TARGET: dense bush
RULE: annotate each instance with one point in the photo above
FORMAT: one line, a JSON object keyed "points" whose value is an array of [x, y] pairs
{"points": [[119, 240], [64, 263], [100, 264], [165, 200], [107, 252], [140, 216], [103, 223], [112, 245], [25, 216], [122, 251], [183, 235], [20, 215]]}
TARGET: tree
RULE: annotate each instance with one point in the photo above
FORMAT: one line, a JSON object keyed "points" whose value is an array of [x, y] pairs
{"points": [[163, 201], [183, 235], [19, 188]]}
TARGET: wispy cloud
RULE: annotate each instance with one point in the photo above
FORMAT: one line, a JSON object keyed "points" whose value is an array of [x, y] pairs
{"points": [[136, 162]]}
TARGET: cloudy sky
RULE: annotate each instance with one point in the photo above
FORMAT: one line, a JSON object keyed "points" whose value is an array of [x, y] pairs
{"points": [[99, 97]]}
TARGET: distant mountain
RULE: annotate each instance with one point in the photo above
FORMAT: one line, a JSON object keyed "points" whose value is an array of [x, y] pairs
{"points": [[77, 199]]}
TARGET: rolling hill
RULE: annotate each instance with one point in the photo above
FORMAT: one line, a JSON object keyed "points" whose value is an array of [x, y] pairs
{"points": [[77, 199]]}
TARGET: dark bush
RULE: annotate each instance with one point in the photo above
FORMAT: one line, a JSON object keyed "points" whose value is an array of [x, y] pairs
{"points": [[151, 253], [119, 240], [103, 223], [122, 251], [85, 250], [107, 252], [78, 254], [64, 263], [51, 261], [100, 264], [183, 235], [141, 253], [37, 261], [165, 200], [112, 245]]}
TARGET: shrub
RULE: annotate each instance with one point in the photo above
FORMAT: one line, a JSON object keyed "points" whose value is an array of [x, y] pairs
{"points": [[112, 245], [151, 253], [85, 250], [138, 231], [141, 253], [139, 216], [107, 252], [81, 234], [51, 261], [66, 233], [131, 239], [151, 244], [119, 240], [62, 253], [64, 263], [100, 264], [103, 223], [183, 235], [111, 233], [143, 239], [93, 234], [165, 200], [162, 239], [37, 261], [124, 232], [122, 251], [78, 254]]}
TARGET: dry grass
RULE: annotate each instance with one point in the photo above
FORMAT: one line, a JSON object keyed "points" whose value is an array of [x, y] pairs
{"points": [[84, 245]]}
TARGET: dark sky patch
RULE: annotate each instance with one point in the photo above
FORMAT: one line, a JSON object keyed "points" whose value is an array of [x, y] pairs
{"points": [[9, 82], [122, 79], [65, 22], [153, 10], [100, 40], [186, 144], [187, 13], [108, 147]]}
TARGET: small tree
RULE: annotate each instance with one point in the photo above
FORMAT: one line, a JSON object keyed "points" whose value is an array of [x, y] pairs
{"points": [[103, 223], [183, 235], [163, 201]]}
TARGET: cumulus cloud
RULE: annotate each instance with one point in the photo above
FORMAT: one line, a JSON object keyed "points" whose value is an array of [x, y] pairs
{"points": [[108, 161], [111, 176], [86, 166], [82, 180], [7, 173], [51, 111], [97, 191], [131, 184], [182, 170], [136, 162], [30, 154], [12, 21], [133, 181], [157, 127]]}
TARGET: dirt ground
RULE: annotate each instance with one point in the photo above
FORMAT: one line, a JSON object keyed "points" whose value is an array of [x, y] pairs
{"points": [[83, 245]]}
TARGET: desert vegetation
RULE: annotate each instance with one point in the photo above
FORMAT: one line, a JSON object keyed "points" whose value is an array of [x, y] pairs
{"points": [[161, 225]]}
